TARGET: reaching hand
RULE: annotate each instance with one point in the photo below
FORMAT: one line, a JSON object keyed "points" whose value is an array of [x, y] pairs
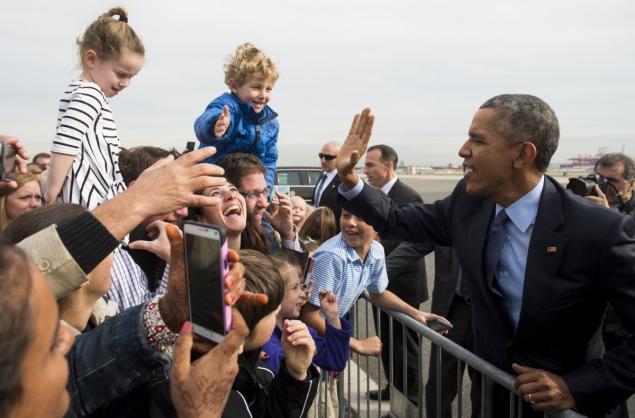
{"points": [[354, 147], [173, 305], [546, 392], [370, 346], [328, 305], [282, 221], [201, 389], [166, 187], [298, 347], [160, 244], [222, 123]]}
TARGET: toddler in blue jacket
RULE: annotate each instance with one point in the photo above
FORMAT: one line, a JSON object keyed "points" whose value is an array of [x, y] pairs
{"points": [[241, 120], [332, 348]]}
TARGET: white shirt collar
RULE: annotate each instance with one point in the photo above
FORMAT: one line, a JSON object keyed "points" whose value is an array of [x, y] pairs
{"points": [[385, 189]]}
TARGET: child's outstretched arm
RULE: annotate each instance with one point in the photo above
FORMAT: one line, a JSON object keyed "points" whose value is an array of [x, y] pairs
{"points": [[387, 300], [60, 165], [218, 114], [222, 123]]}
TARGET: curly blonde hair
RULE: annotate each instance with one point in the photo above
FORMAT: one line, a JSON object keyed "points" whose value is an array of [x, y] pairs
{"points": [[246, 62], [107, 36]]}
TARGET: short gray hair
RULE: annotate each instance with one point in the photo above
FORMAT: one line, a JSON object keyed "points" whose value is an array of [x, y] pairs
{"points": [[614, 158], [522, 117]]}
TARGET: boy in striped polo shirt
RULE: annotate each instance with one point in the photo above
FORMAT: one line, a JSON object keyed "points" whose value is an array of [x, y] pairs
{"points": [[348, 264]]}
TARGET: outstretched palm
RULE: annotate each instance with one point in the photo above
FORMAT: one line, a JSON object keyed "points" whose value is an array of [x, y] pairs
{"points": [[355, 146]]}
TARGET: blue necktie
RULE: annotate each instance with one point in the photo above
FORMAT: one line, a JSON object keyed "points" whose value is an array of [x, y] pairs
{"points": [[495, 241], [318, 192]]}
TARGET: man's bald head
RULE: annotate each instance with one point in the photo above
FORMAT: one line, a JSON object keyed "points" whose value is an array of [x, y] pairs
{"points": [[330, 149]]}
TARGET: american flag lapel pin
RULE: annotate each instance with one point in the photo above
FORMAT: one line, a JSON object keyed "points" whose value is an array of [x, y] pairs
{"points": [[552, 249]]}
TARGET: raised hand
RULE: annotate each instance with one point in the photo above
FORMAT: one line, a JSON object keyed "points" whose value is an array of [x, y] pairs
{"points": [[354, 147], [328, 305], [282, 221], [201, 389], [160, 244], [298, 347], [13, 148], [222, 123]]}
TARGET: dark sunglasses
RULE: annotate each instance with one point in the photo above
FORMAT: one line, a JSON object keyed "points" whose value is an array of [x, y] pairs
{"points": [[327, 157]]}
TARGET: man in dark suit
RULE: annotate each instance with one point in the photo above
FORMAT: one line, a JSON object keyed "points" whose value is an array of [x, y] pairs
{"points": [[540, 264], [325, 193], [406, 268]]}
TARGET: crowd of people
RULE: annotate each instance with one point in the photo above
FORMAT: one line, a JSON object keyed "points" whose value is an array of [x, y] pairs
{"points": [[93, 290]]}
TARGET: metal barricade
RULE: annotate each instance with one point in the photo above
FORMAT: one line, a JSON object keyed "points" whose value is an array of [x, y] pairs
{"points": [[354, 383]]}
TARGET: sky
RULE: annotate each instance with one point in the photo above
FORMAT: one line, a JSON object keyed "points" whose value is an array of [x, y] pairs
{"points": [[424, 67]]}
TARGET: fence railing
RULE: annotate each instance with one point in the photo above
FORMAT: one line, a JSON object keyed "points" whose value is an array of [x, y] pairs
{"points": [[353, 384]]}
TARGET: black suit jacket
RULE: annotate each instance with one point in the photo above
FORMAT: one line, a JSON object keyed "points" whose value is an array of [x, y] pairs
{"points": [[329, 199], [446, 274], [580, 256], [405, 262]]}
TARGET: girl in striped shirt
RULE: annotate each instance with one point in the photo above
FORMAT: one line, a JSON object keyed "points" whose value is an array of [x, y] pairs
{"points": [[84, 163]]}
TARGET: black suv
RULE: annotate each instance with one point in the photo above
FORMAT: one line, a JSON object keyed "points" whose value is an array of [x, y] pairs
{"points": [[301, 180]]}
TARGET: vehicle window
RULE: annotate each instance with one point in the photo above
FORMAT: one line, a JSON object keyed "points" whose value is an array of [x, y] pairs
{"points": [[314, 176], [289, 178]]}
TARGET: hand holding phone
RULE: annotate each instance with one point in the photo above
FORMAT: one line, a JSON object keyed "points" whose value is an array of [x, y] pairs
{"points": [[205, 267], [7, 160], [439, 324]]}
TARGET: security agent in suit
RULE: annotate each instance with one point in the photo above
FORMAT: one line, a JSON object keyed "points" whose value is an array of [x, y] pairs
{"points": [[573, 257], [406, 269], [325, 192], [451, 300]]}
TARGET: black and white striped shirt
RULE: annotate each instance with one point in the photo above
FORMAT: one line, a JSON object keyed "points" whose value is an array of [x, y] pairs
{"points": [[86, 130]]}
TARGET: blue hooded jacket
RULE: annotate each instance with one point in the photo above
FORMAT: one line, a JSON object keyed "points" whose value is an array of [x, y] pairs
{"points": [[250, 132]]}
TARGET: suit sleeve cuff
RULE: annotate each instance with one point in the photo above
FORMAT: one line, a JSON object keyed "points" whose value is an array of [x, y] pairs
{"points": [[352, 193]]}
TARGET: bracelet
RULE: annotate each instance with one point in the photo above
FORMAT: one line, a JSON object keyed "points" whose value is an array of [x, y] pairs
{"points": [[159, 335]]}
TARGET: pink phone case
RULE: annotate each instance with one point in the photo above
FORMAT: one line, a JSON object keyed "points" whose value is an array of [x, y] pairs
{"points": [[224, 268]]}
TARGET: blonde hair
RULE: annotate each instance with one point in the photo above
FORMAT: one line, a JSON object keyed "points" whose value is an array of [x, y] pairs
{"points": [[107, 36], [246, 62], [21, 179]]}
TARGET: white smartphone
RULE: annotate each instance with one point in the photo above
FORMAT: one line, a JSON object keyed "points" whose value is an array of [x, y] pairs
{"points": [[205, 269]]}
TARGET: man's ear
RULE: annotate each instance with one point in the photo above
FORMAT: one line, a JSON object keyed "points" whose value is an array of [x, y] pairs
{"points": [[526, 155]]}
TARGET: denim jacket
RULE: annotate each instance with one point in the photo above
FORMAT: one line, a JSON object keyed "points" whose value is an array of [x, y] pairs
{"points": [[111, 361]]}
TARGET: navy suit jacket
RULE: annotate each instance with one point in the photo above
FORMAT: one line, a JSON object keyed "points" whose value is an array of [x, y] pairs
{"points": [[580, 256], [405, 262]]}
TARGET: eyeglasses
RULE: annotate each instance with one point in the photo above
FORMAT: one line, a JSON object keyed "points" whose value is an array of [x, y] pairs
{"points": [[327, 157], [258, 194], [301, 287]]}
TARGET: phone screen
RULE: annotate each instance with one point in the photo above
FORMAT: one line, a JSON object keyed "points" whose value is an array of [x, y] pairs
{"points": [[205, 287]]}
